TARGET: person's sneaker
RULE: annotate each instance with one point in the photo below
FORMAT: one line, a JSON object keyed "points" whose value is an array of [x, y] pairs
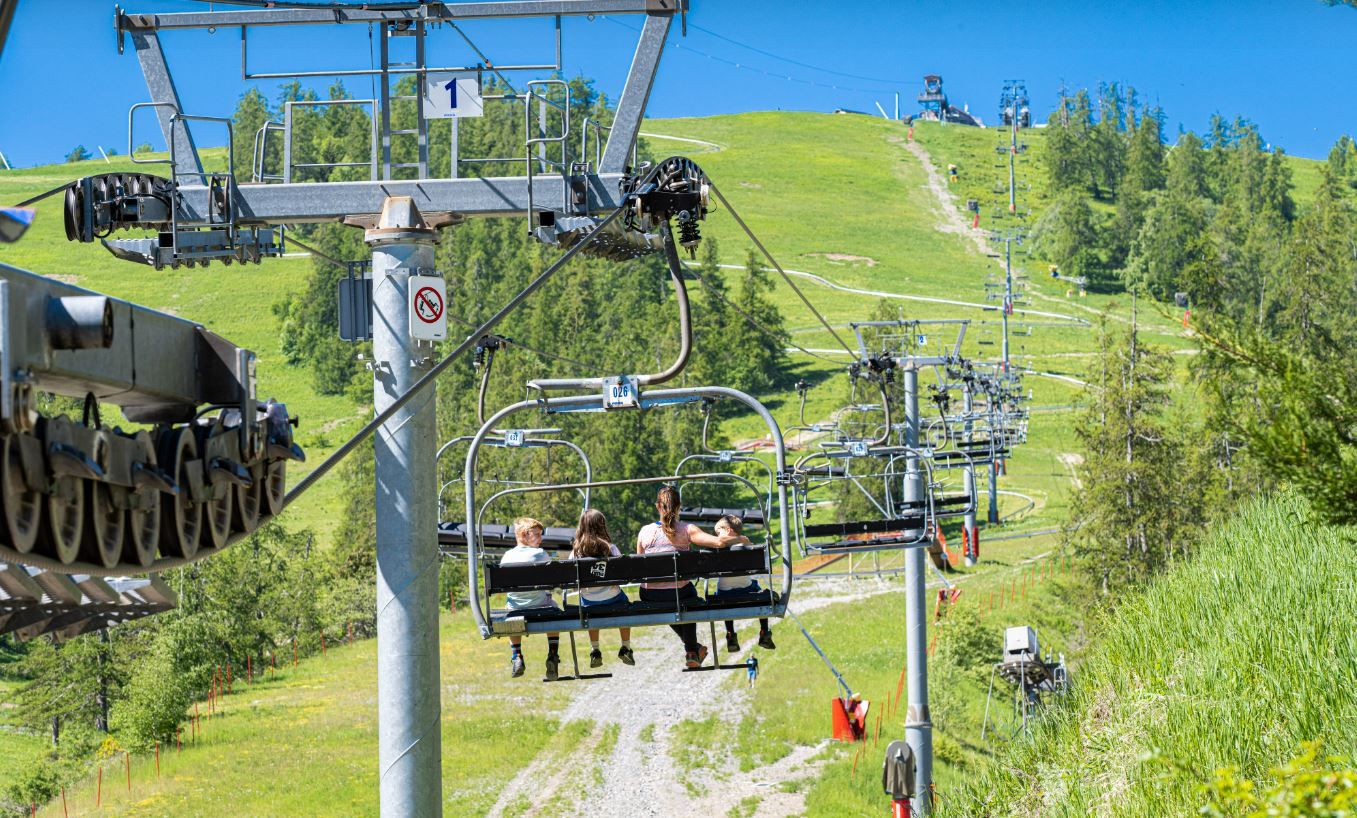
{"points": [[732, 643], [766, 640], [624, 653], [693, 658], [516, 666], [553, 668], [595, 658]]}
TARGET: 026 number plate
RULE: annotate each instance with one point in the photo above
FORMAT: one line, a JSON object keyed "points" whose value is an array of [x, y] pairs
{"points": [[621, 392]]}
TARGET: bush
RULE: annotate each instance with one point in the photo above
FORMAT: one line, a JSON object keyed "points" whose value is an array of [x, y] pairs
{"points": [[157, 701]]}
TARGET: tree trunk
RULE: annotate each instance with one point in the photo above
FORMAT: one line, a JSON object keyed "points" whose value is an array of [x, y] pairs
{"points": [[101, 698]]}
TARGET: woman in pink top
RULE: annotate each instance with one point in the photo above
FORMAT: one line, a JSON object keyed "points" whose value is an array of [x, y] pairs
{"points": [[665, 537]]}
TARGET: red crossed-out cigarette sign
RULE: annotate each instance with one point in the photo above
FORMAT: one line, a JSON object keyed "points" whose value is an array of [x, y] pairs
{"points": [[428, 316]]}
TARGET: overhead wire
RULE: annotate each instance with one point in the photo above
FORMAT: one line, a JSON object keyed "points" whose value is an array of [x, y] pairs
{"points": [[386, 414], [773, 74], [711, 288], [821, 69], [41, 196], [750, 233]]}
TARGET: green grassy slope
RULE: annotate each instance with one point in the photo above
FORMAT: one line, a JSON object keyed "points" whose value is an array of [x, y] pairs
{"points": [[808, 185], [304, 741], [1232, 659]]}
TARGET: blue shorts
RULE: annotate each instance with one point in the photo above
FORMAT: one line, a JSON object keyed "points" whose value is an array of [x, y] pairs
{"points": [[620, 599]]}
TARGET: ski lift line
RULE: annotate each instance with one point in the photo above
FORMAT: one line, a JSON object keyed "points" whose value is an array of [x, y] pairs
{"points": [[470, 341], [54, 191], [735, 214], [753, 323], [743, 67], [884, 81], [848, 691], [533, 350], [313, 251]]}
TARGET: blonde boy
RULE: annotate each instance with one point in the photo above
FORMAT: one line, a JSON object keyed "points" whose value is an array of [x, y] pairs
{"points": [[529, 551]]}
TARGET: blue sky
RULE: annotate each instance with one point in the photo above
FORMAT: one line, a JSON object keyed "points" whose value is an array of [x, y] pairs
{"points": [[1288, 66]]}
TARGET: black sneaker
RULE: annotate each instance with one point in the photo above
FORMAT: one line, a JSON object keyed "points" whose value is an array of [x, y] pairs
{"points": [[732, 643], [516, 666], [553, 668], [595, 658], [766, 640], [694, 658], [624, 653]]}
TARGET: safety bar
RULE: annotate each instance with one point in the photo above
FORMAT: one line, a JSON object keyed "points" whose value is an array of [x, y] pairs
{"points": [[528, 443]]}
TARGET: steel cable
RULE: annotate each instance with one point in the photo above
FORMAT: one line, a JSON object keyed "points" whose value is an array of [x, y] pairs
{"points": [[717, 192]]}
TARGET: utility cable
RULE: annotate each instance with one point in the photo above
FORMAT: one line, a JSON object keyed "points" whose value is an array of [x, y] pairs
{"points": [[438, 369], [848, 691], [821, 69], [711, 288], [743, 67], [42, 196], [313, 251], [726, 204]]}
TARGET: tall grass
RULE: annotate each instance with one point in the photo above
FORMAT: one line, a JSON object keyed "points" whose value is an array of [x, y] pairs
{"points": [[1231, 660]]}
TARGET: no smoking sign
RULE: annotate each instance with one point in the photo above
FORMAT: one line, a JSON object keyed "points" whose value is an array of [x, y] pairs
{"points": [[428, 313]]}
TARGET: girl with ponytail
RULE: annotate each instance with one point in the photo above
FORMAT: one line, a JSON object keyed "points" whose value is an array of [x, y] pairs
{"points": [[666, 536]]}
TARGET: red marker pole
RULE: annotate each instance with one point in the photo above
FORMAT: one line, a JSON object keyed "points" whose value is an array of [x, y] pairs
{"points": [[294, 651], [900, 808], [127, 759], [249, 670], [322, 643], [64, 811], [99, 787]]}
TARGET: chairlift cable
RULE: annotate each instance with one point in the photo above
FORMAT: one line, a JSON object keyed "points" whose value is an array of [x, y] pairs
{"points": [[755, 324], [42, 196], [821, 69], [534, 350], [717, 192], [313, 251], [837, 675]]}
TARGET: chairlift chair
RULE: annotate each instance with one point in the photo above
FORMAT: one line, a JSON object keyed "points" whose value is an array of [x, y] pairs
{"points": [[486, 578]]}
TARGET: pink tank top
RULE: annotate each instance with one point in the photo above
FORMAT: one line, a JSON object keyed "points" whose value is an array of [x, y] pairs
{"points": [[653, 540]]}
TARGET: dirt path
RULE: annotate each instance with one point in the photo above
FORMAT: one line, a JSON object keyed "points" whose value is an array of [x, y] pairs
{"points": [[627, 766]]}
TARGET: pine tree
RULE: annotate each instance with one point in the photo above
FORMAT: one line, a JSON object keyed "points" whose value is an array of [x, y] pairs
{"points": [[1132, 515]]}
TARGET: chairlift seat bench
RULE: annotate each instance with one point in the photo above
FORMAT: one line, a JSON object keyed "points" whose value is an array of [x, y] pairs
{"points": [[577, 574], [702, 514]]}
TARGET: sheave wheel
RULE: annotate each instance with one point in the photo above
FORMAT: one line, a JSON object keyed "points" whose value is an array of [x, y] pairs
{"points": [[181, 520], [217, 516], [247, 502], [143, 525], [65, 528], [105, 526], [22, 506], [275, 486]]}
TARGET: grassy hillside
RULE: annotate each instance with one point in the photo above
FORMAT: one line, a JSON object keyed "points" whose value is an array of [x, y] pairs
{"points": [[1232, 659], [811, 186]]}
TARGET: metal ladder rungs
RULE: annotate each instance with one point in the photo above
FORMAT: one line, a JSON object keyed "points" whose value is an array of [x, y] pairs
{"points": [[403, 131], [405, 164]]}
